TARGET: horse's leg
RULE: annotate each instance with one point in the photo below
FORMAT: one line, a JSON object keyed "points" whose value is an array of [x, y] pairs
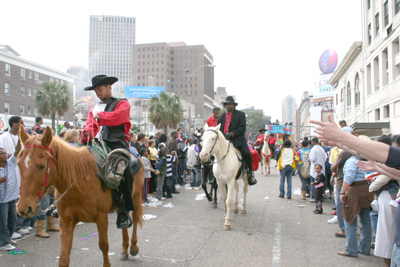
{"points": [[125, 245], [235, 202], [206, 171], [245, 188], [67, 227], [228, 204], [102, 228], [215, 187], [223, 191], [137, 214], [262, 164], [269, 165]]}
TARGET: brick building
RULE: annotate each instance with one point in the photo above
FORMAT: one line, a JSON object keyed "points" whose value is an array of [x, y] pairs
{"points": [[19, 79]]}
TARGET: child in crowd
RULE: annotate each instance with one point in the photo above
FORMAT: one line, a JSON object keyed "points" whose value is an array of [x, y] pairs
{"points": [[378, 184], [161, 171], [319, 186], [147, 172], [9, 194], [171, 158]]}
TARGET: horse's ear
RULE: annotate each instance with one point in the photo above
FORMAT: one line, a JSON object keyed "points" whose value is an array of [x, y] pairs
{"points": [[47, 137], [219, 126], [205, 126], [23, 134]]}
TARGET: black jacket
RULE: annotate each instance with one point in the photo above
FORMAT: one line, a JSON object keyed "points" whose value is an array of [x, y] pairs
{"points": [[237, 127]]}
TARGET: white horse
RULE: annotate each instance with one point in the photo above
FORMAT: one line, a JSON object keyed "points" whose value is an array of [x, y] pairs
{"points": [[225, 168], [266, 154]]}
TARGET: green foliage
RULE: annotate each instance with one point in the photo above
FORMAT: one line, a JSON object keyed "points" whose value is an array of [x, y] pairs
{"points": [[256, 120], [165, 110], [135, 129], [53, 97]]}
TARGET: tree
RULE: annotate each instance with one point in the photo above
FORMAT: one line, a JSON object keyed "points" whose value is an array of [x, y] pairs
{"points": [[165, 110], [256, 120], [53, 97]]}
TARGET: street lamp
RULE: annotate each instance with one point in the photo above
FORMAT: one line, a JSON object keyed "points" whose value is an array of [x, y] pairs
{"points": [[189, 76]]}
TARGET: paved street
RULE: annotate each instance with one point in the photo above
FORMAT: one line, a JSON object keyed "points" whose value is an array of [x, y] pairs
{"points": [[274, 232]]}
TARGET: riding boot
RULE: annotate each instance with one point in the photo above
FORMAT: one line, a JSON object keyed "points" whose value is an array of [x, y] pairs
{"points": [[250, 177], [124, 220], [40, 229], [51, 226]]}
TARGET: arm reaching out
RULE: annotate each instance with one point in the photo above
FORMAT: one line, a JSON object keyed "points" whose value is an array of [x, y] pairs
{"points": [[330, 131], [379, 167]]}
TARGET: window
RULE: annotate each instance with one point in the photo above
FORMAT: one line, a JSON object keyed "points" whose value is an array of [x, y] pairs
{"points": [[36, 76], [377, 24], [357, 90], [51, 79], [29, 91], [348, 96], [386, 111], [35, 111], [29, 109], [386, 10], [7, 89], [337, 99], [138, 77], [6, 107], [8, 73], [22, 73], [22, 109], [22, 91], [369, 33], [377, 114], [342, 95], [369, 4], [397, 6], [30, 74]]}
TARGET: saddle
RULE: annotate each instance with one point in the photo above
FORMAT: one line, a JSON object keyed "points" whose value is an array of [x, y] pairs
{"points": [[111, 168]]}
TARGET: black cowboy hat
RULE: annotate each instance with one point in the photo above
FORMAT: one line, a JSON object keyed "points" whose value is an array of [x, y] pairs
{"points": [[262, 130], [229, 100], [101, 80]]}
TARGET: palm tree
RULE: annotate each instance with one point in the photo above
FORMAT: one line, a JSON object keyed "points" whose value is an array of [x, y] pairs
{"points": [[165, 110], [53, 97]]}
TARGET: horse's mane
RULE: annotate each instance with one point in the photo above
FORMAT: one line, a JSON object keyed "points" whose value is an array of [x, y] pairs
{"points": [[75, 164]]}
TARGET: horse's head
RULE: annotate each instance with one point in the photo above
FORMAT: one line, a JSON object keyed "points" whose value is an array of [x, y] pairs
{"points": [[38, 169], [210, 141], [266, 137]]}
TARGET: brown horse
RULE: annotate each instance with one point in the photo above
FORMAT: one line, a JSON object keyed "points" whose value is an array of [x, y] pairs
{"points": [[48, 161]]}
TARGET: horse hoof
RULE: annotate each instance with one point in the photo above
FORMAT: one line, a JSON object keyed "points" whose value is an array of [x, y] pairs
{"points": [[209, 199], [227, 227], [235, 211], [244, 212], [134, 253], [124, 257]]}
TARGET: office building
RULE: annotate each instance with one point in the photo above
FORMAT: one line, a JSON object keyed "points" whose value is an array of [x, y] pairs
{"points": [[19, 79], [288, 108], [81, 80], [110, 48], [171, 64]]}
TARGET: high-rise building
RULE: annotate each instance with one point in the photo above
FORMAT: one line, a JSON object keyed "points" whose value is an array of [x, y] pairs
{"points": [[288, 108], [81, 80], [110, 48], [170, 64]]}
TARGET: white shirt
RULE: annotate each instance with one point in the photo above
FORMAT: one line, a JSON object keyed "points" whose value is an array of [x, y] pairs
{"points": [[317, 156], [11, 187], [99, 108], [347, 129], [8, 141]]}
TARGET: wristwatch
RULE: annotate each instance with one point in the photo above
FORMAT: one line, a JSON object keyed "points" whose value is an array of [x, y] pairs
{"points": [[342, 193]]}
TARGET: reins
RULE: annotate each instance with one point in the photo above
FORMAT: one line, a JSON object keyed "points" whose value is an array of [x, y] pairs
{"points": [[46, 180], [229, 146]]}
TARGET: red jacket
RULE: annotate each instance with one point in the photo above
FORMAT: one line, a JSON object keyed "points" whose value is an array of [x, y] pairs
{"points": [[119, 116]]}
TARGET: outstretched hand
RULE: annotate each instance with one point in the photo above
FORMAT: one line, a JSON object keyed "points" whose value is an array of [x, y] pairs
{"points": [[328, 132], [367, 165]]}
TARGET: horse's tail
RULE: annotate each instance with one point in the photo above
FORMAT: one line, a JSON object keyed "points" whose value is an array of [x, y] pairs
{"points": [[137, 195]]}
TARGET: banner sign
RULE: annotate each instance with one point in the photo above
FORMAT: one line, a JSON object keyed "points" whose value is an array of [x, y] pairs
{"points": [[279, 129], [84, 102], [142, 91]]}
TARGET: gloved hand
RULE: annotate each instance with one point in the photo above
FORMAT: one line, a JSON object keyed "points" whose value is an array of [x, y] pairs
{"points": [[228, 136]]}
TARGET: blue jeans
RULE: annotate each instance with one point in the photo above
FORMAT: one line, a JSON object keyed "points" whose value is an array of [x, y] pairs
{"points": [[364, 246], [8, 220], [168, 189], [195, 177], [181, 170], [313, 191], [286, 172], [374, 220], [304, 182], [395, 256], [339, 209], [44, 204]]}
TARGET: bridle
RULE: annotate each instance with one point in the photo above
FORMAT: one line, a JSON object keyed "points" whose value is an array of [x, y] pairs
{"points": [[215, 142], [46, 180]]}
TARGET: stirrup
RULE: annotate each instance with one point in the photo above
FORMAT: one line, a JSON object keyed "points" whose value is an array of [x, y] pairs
{"points": [[250, 177], [124, 220]]}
